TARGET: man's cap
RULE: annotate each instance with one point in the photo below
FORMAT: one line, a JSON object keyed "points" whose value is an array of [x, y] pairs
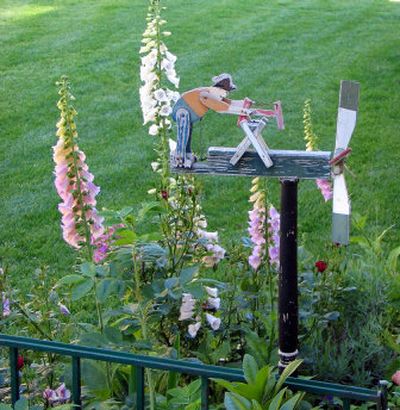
{"points": [[224, 76]]}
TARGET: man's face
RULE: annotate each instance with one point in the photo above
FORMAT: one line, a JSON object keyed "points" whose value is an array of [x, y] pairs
{"points": [[226, 85]]}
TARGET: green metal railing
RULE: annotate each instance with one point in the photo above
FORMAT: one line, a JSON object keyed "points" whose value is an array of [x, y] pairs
{"points": [[141, 362]]}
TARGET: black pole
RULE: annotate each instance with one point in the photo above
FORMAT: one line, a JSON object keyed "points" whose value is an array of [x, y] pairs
{"points": [[288, 292]]}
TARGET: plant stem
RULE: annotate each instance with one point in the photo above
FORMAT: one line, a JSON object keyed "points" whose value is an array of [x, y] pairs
{"points": [[142, 310]]}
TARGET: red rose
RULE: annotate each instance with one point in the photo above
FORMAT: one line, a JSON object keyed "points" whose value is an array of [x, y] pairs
{"points": [[20, 362], [321, 266], [164, 194]]}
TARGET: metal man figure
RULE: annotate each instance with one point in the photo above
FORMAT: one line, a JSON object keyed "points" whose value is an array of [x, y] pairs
{"points": [[193, 105]]}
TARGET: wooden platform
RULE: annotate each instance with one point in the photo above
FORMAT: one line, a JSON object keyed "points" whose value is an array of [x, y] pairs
{"points": [[289, 164]]}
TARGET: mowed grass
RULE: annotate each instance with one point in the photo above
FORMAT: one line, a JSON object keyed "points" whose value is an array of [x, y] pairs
{"points": [[281, 49]]}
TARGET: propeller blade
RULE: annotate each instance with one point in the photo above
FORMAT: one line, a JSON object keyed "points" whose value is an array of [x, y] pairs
{"points": [[347, 113], [341, 211]]}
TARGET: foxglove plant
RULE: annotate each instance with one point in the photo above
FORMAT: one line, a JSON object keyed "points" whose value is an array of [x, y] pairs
{"points": [[157, 67], [184, 222], [257, 224], [5, 301], [274, 222], [188, 310], [81, 223], [311, 145]]}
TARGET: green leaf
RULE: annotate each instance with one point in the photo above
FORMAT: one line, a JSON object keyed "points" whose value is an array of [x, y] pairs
{"points": [[332, 315], [255, 405], [247, 391], [112, 334], [250, 368], [5, 407], [261, 381], [104, 289], [123, 213], [188, 273], [125, 237], [293, 402], [224, 383], [194, 387], [276, 402], [234, 401], [289, 369], [22, 404], [88, 269], [150, 208], [173, 377], [93, 339], [70, 279], [170, 283], [95, 377], [82, 289], [392, 259]]}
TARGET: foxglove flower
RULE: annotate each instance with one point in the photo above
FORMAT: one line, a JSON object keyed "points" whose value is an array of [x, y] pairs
{"points": [[64, 310], [325, 187], [193, 329], [157, 62], [213, 292], [274, 238], [50, 396], [311, 145], [74, 183], [63, 394], [213, 303], [103, 243], [396, 378], [187, 307], [257, 224], [6, 305], [213, 321]]}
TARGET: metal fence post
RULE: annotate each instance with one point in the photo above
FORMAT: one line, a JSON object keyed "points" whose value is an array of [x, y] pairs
{"points": [[76, 382], [14, 375], [140, 398], [205, 391], [288, 292]]}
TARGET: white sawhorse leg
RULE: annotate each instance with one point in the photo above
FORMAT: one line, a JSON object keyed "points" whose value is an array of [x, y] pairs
{"points": [[254, 139]]}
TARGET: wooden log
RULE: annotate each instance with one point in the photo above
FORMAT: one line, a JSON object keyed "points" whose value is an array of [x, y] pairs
{"points": [[287, 164]]}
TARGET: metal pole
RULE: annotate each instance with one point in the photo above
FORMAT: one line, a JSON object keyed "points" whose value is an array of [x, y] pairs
{"points": [[14, 375], [288, 292], [76, 383]]}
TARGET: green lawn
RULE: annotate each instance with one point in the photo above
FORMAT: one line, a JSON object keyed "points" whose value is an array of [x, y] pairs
{"points": [[281, 49]]}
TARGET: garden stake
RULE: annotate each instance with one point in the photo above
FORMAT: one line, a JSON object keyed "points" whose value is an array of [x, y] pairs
{"points": [[288, 305], [288, 165]]}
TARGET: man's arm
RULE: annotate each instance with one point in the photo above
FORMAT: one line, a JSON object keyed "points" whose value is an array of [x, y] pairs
{"points": [[222, 105]]}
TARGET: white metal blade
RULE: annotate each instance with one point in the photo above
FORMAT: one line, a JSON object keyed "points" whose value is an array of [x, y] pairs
{"points": [[341, 212], [347, 113], [346, 122], [341, 201]]}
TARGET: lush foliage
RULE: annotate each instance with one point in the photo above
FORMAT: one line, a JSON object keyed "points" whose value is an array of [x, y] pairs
{"points": [[152, 279], [262, 390]]}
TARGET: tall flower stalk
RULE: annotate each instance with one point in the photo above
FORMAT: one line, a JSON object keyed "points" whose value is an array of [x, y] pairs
{"points": [[157, 73], [311, 145], [257, 224], [182, 226], [81, 224], [264, 228]]}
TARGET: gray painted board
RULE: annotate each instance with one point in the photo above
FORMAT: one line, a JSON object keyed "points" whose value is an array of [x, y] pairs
{"points": [[289, 164]]}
